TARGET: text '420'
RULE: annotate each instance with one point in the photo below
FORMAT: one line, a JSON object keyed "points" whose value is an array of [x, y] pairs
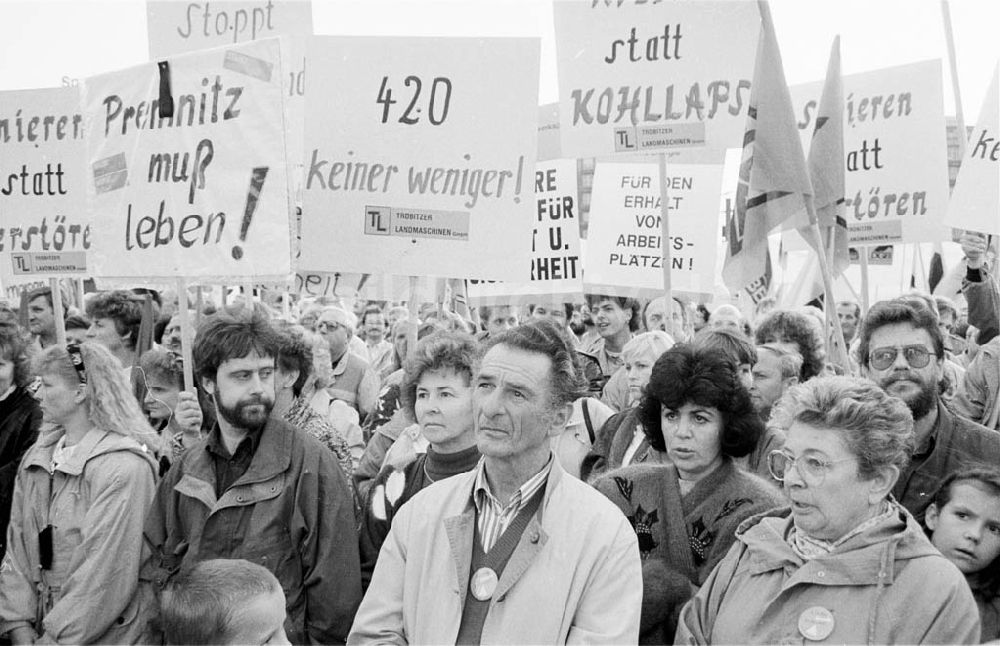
{"points": [[437, 101]]}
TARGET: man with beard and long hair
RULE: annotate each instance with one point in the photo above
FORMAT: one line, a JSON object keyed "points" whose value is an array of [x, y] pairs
{"points": [[902, 350], [259, 489]]}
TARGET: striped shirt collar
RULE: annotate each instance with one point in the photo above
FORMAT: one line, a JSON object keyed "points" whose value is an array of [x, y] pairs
{"points": [[481, 494]]}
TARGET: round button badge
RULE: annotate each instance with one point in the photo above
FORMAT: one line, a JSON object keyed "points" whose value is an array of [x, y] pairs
{"points": [[484, 583], [816, 623]]}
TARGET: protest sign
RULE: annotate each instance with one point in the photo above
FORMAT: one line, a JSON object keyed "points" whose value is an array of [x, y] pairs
{"points": [[203, 192], [44, 227], [556, 263], [645, 77], [420, 156], [975, 204], [369, 287], [624, 255], [896, 152]]}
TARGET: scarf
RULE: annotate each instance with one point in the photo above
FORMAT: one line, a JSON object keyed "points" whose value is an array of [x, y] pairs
{"points": [[808, 548]]}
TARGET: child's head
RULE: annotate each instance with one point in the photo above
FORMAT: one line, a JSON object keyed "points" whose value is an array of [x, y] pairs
{"points": [[964, 520], [224, 601]]}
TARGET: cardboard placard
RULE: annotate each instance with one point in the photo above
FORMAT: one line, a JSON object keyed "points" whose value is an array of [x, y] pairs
{"points": [[44, 225], [420, 156], [896, 152], [624, 255], [556, 262], [649, 77], [202, 193]]}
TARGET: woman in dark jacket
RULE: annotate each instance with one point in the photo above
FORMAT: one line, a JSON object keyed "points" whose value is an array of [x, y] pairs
{"points": [[20, 415]]}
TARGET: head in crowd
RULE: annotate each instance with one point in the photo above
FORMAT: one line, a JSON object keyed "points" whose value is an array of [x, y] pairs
{"points": [[701, 316], [115, 318], [436, 391], [849, 313], [734, 345], [223, 601], [902, 350], [399, 334], [164, 374], [76, 328], [41, 319], [561, 313], [576, 324], [336, 325], [234, 361], [395, 314], [963, 523], [15, 357], [86, 382], [523, 391], [614, 316], [799, 331], [322, 364], [777, 369], [309, 316], [764, 307], [373, 323], [639, 355], [172, 339], [294, 363], [446, 320], [696, 410], [922, 301], [676, 325], [497, 319], [947, 314], [846, 443]]}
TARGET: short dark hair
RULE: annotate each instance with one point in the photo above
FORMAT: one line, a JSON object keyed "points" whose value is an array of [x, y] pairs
{"points": [[736, 346], [77, 322], [898, 311], [627, 304], [456, 351], [232, 335], [853, 305], [370, 309], [198, 604], [704, 376], [121, 306], [543, 336], [16, 347], [786, 326], [294, 353]]}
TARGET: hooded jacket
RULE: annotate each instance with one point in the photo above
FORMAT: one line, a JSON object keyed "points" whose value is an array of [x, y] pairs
{"points": [[95, 502], [887, 585]]}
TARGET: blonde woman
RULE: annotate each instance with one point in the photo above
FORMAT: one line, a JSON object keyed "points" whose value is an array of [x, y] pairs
{"points": [[72, 566]]}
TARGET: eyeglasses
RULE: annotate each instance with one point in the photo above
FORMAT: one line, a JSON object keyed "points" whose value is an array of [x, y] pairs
{"points": [[327, 326], [917, 356], [811, 469]]}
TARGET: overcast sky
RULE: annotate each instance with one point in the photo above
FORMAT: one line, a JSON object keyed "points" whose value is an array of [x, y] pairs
{"points": [[43, 41]]}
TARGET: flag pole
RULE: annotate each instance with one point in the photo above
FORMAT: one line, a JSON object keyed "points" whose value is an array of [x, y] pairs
{"points": [[953, 63], [865, 298], [824, 269], [665, 232]]}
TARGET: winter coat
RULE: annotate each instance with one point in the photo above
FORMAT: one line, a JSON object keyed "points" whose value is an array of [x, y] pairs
{"points": [[887, 585], [95, 502], [574, 577], [291, 512], [20, 418]]}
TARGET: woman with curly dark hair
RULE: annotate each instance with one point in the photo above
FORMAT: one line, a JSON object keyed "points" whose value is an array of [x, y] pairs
{"points": [[20, 415], [685, 514]]}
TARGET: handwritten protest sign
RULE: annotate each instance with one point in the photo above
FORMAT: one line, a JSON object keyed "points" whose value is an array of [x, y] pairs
{"points": [[975, 204], [203, 192], [624, 255], [896, 152], [646, 77], [44, 228], [369, 287], [556, 263], [420, 156]]}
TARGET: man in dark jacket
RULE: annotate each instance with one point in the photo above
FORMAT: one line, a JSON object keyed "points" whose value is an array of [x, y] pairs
{"points": [[259, 489], [902, 350]]}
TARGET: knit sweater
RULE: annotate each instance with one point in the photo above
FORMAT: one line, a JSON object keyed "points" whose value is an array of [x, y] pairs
{"points": [[681, 538]]}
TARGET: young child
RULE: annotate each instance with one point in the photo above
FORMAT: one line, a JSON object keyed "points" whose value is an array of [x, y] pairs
{"points": [[223, 601], [963, 522]]}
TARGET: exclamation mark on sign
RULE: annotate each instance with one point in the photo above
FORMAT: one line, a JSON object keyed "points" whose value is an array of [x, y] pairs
{"points": [[253, 196], [517, 187]]}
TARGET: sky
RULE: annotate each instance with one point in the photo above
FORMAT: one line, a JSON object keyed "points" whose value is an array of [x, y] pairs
{"points": [[45, 43]]}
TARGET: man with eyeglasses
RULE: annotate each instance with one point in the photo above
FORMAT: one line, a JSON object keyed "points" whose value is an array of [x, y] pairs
{"points": [[902, 350]]}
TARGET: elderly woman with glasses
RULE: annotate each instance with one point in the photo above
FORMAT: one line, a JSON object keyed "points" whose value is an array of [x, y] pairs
{"points": [[844, 563], [685, 513]]}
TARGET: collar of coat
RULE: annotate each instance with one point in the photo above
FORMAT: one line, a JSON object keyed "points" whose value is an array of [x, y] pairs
{"points": [[95, 443], [272, 457]]}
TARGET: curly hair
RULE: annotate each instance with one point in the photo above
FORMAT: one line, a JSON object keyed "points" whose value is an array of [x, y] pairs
{"points": [[876, 427], [295, 352], [443, 350], [111, 405], [544, 336], [232, 335], [898, 311], [16, 347], [706, 377], [785, 326], [124, 308]]}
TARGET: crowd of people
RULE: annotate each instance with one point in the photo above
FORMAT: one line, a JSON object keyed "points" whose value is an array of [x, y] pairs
{"points": [[607, 471]]}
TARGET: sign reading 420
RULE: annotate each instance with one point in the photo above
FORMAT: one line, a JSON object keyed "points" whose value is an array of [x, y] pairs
{"points": [[437, 100]]}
